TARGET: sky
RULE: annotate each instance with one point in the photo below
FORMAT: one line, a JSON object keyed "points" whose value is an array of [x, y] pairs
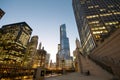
{"points": [[45, 18]]}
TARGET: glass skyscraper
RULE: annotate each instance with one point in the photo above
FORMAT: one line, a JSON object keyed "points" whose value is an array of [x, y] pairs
{"points": [[96, 20], [64, 43]]}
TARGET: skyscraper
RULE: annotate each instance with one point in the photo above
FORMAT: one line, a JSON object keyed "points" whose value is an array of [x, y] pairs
{"points": [[77, 57], [47, 60], [13, 42], [1, 13], [41, 56], [64, 43], [57, 57], [32, 49], [63, 58], [96, 20]]}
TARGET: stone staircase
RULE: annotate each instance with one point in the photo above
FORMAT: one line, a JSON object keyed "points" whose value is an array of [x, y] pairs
{"points": [[94, 69]]}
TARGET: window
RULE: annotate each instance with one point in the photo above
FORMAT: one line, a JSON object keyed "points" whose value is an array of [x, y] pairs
{"points": [[116, 13], [92, 16], [94, 22], [102, 10], [89, 7], [112, 23], [106, 14]]}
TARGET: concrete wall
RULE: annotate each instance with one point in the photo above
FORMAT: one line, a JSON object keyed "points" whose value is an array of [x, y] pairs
{"points": [[108, 52], [110, 48]]}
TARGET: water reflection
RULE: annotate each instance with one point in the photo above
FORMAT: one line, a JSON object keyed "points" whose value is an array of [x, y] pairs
{"points": [[19, 78]]}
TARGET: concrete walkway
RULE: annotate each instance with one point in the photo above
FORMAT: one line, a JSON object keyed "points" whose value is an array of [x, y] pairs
{"points": [[77, 76], [96, 73]]}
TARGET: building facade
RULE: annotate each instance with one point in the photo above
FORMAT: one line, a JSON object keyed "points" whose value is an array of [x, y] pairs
{"points": [[1, 13], [63, 58], [47, 60], [40, 58], [13, 42], [58, 57], [77, 57], [31, 50], [96, 20], [64, 43]]}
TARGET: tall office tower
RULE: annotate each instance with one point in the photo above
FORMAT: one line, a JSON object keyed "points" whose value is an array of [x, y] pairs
{"points": [[58, 57], [13, 42], [33, 45], [64, 43], [47, 60], [40, 57], [32, 49], [40, 45], [1, 13], [96, 20]]}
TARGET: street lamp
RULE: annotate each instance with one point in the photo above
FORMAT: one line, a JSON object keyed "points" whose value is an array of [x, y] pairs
{"points": [[63, 61]]}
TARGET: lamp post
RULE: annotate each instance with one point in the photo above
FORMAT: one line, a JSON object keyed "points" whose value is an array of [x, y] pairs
{"points": [[63, 61]]}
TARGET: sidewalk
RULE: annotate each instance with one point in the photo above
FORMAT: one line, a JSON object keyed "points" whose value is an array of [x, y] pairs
{"points": [[77, 76], [96, 73]]}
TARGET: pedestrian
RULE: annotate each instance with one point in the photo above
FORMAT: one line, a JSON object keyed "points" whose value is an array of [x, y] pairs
{"points": [[88, 72]]}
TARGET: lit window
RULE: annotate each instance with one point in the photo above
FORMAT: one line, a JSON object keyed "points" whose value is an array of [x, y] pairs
{"points": [[117, 26], [105, 31], [98, 28], [96, 6], [116, 13], [89, 7], [97, 32], [110, 6], [112, 23], [94, 22], [82, 2], [102, 10], [107, 14], [92, 16], [97, 36], [102, 27]]}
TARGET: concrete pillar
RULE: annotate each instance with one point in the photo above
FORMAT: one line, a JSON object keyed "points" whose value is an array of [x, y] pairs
{"points": [[39, 74]]}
